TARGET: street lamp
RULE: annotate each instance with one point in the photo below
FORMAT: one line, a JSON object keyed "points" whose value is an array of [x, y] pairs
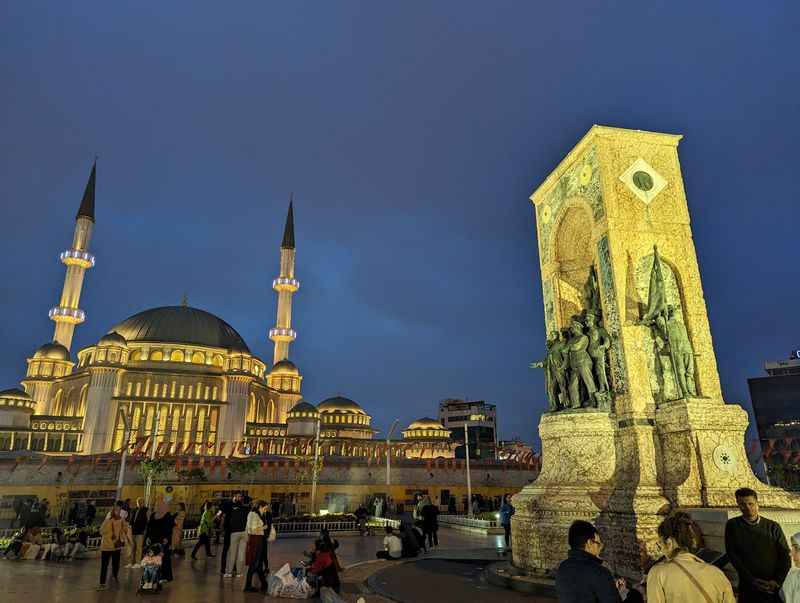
{"points": [[389, 455]]}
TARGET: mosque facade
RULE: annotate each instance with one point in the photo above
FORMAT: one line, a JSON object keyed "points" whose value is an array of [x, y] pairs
{"points": [[182, 381]]}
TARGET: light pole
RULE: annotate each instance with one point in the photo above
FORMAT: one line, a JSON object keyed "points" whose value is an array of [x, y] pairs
{"points": [[389, 455], [314, 469], [469, 478], [126, 434]]}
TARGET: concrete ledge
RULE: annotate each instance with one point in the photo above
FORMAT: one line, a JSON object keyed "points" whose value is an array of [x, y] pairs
{"points": [[484, 531], [504, 575]]}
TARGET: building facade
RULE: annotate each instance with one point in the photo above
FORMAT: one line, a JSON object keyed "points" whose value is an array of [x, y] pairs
{"points": [[481, 421]]}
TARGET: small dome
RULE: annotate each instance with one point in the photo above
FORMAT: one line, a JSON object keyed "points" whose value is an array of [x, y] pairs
{"points": [[340, 404], [284, 367], [112, 339], [52, 351], [427, 423], [14, 392], [303, 406]]}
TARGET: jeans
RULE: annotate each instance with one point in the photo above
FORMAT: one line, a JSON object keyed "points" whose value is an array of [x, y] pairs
{"points": [[236, 552], [432, 536], [150, 574], [226, 545], [204, 540], [105, 557], [257, 566]]}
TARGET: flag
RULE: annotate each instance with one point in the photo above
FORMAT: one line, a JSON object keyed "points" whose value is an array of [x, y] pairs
{"points": [[656, 296]]}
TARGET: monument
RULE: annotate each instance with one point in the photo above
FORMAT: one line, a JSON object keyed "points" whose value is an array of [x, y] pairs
{"points": [[637, 424]]}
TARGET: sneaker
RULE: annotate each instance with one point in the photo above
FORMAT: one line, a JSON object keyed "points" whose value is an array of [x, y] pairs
{"points": [[102, 587], [136, 565], [227, 575]]}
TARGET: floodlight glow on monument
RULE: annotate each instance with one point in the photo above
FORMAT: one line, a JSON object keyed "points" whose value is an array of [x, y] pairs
{"points": [[637, 425]]}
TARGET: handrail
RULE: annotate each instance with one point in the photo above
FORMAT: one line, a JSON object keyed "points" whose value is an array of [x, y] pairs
{"points": [[470, 522]]}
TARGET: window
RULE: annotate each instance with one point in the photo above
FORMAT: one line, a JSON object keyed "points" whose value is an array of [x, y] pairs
{"points": [[136, 356], [199, 358], [217, 360], [157, 355], [176, 356]]}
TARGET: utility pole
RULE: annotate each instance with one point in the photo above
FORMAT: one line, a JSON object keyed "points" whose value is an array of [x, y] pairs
{"points": [[126, 435], [469, 478], [389, 455]]}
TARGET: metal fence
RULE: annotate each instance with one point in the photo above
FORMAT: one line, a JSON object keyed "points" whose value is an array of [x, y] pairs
{"points": [[383, 522], [467, 522]]}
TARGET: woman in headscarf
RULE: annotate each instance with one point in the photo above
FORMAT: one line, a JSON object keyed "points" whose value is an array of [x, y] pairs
{"points": [[790, 591], [159, 531], [177, 530]]}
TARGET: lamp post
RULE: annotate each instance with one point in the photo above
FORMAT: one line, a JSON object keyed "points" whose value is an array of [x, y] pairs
{"points": [[314, 469], [469, 479], [126, 435], [389, 455]]}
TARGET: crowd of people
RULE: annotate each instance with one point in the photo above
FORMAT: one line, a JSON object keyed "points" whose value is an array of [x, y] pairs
{"points": [[755, 546]]}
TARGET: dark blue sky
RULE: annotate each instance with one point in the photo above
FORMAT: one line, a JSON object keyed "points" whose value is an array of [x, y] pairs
{"points": [[412, 134]]}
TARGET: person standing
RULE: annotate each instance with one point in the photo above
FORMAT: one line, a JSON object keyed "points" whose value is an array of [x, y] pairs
{"points": [[681, 576], [204, 531], [259, 522], [361, 518], [238, 538], [224, 515], [138, 529], [581, 577], [159, 531], [177, 530], [757, 549], [111, 542], [430, 522], [507, 510], [91, 511]]}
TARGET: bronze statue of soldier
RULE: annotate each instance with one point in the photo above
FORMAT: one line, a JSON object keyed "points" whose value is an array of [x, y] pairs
{"points": [[580, 365]]}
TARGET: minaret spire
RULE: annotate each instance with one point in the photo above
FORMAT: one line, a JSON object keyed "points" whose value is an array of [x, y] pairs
{"points": [[285, 285], [77, 259]]}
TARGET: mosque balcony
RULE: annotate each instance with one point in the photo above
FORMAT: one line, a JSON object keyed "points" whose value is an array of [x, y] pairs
{"points": [[75, 257], [56, 423], [283, 283], [72, 315], [280, 334]]}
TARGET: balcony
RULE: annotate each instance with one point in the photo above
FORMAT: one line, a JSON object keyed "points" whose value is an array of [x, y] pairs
{"points": [[285, 284], [73, 257], [72, 315], [282, 334]]}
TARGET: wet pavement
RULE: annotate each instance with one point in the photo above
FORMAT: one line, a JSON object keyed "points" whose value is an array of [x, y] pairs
{"points": [[69, 582]]}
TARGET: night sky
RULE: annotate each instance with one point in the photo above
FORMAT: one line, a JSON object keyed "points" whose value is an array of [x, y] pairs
{"points": [[412, 134]]}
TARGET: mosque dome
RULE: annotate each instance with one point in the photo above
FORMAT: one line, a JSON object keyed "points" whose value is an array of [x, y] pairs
{"points": [[426, 423], [340, 404], [52, 351], [181, 324], [284, 367], [302, 407], [112, 339]]}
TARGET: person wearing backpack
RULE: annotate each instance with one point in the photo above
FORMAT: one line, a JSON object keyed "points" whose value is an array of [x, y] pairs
{"points": [[681, 576]]}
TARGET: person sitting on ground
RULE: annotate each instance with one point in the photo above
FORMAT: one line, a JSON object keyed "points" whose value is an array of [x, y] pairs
{"points": [[55, 550], [324, 566], [411, 544], [681, 576], [581, 577], [392, 546], [77, 545], [151, 565], [15, 546], [757, 549]]}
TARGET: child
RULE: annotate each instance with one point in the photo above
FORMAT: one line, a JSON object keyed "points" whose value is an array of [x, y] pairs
{"points": [[151, 564]]}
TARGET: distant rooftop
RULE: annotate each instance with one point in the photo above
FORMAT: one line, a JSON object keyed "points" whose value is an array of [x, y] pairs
{"points": [[778, 368]]}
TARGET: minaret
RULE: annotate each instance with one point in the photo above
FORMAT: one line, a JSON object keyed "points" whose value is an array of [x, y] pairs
{"points": [[285, 285], [77, 259]]}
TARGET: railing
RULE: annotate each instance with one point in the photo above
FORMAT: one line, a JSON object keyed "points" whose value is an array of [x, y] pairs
{"points": [[295, 527], [383, 522], [467, 522]]}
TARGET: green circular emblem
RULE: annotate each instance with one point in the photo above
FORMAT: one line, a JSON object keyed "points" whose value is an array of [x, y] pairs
{"points": [[643, 180]]}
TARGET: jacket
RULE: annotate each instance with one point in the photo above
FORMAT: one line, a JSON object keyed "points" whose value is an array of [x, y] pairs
{"points": [[238, 518], [506, 511], [666, 581], [325, 567], [112, 535], [139, 521], [430, 517], [581, 578], [206, 522]]}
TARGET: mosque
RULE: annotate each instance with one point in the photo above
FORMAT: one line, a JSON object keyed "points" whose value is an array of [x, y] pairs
{"points": [[183, 380]]}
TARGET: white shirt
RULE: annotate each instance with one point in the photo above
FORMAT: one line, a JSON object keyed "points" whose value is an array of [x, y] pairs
{"points": [[255, 525], [790, 591], [393, 545]]}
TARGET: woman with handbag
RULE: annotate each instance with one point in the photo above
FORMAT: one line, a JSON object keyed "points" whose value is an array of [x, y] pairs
{"points": [[112, 534], [681, 577], [259, 524]]}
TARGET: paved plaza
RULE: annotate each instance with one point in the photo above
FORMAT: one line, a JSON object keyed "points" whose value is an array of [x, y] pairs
{"points": [[427, 580]]}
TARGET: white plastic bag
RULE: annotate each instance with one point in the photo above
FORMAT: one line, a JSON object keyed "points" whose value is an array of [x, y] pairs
{"points": [[284, 574]]}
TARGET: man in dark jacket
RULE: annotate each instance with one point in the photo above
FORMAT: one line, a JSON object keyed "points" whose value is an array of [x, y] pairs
{"points": [[581, 577], [757, 549], [138, 519]]}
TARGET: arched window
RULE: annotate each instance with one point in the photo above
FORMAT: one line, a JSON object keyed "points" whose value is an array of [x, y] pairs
{"points": [[136, 356], [261, 416], [81, 412], [157, 355], [217, 360], [199, 358], [271, 411], [58, 402], [251, 409], [176, 356]]}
